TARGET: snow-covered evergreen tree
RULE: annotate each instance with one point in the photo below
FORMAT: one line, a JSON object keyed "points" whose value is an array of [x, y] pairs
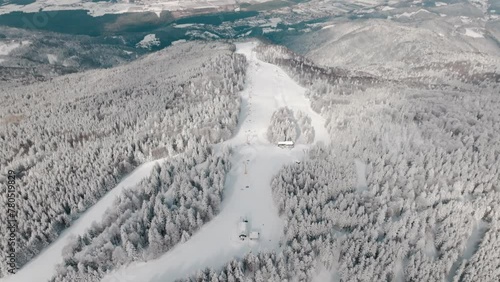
{"points": [[283, 126]]}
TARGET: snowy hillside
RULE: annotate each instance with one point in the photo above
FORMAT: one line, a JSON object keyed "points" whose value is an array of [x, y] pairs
{"points": [[247, 191], [33, 56], [435, 48], [114, 120], [44, 265], [407, 189], [363, 145]]}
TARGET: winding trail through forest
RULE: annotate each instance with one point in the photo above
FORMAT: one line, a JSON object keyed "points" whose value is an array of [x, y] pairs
{"points": [[43, 266], [471, 246], [248, 186]]}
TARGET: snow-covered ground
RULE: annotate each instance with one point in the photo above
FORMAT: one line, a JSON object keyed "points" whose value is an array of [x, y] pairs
{"points": [[99, 8], [473, 33], [387, 8], [7, 47], [148, 42], [255, 162], [475, 238], [325, 275], [361, 175], [52, 58], [247, 192], [411, 14], [42, 267]]}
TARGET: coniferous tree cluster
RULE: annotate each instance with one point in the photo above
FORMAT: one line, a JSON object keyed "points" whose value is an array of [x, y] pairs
{"points": [[305, 126], [180, 195], [429, 211], [73, 138], [282, 126], [285, 125]]}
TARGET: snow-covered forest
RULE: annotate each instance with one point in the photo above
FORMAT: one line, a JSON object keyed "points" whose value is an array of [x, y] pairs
{"points": [[282, 126], [406, 191], [402, 183], [39, 56], [168, 207], [74, 137], [285, 125]]}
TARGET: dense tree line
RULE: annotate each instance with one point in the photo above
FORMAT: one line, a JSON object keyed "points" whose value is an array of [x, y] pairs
{"points": [[282, 126], [305, 126], [181, 195], [429, 211], [72, 139], [285, 125]]}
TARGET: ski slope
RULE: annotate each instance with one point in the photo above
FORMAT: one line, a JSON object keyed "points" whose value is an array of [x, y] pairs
{"points": [[43, 266], [254, 163]]}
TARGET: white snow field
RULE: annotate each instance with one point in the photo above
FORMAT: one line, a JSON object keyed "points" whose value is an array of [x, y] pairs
{"points": [[473, 33], [7, 47], [247, 190], [43, 266]]}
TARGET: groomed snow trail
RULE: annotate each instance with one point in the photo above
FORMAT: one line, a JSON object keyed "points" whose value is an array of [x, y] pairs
{"points": [[43, 266], [254, 163]]}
